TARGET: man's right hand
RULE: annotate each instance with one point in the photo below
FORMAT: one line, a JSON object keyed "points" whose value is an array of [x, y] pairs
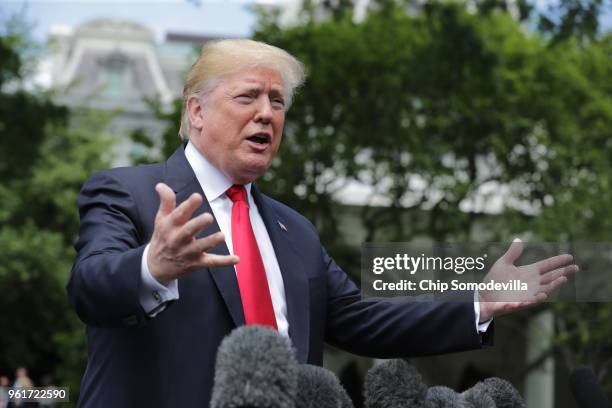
{"points": [[174, 250]]}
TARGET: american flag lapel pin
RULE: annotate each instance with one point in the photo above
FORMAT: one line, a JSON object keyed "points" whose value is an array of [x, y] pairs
{"points": [[282, 226]]}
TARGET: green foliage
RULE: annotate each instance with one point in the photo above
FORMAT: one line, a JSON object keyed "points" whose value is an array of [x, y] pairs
{"points": [[33, 267], [22, 128], [432, 108], [154, 148], [576, 19], [425, 108], [576, 183], [43, 164], [39, 225], [574, 186]]}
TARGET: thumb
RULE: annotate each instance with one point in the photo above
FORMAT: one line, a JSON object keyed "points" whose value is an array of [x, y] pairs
{"points": [[515, 250], [167, 199]]}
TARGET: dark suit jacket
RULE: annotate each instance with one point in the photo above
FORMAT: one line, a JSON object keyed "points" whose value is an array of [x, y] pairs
{"points": [[168, 361]]}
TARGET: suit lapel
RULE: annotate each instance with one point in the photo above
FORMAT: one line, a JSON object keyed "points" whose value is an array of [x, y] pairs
{"points": [[295, 280], [181, 178]]}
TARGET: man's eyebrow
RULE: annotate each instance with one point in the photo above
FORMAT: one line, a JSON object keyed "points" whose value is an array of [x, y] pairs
{"points": [[247, 87], [277, 90]]}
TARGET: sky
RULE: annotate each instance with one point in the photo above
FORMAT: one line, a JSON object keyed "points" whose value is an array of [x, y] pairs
{"points": [[203, 17], [216, 17]]}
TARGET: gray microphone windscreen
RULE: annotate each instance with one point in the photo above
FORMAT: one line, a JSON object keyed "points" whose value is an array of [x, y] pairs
{"points": [[320, 388], [477, 397], [443, 397], [256, 368], [394, 384], [502, 392]]}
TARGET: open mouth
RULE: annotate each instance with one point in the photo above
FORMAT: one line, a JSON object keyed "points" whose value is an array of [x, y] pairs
{"points": [[260, 138]]}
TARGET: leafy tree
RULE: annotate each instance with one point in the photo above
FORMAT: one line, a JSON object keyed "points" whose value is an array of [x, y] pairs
{"points": [[154, 148], [575, 185], [577, 19], [424, 108], [44, 164], [22, 127], [432, 107]]}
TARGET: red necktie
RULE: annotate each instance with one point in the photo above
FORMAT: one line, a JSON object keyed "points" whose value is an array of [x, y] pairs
{"points": [[252, 281]]}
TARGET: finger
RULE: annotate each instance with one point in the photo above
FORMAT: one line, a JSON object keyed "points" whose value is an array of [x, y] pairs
{"points": [[530, 303], [552, 275], [193, 227], [204, 244], [552, 263], [167, 199], [552, 286], [540, 297], [208, 260], [183, 212], [525, 304], [508, 307], [515, 250]]}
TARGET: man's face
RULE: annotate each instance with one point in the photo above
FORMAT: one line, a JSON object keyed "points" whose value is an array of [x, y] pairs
{"points": [[241, 123]]}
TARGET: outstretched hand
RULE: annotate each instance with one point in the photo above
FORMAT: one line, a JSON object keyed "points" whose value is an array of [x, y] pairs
{"points": [[174, 250], [542, 279]]}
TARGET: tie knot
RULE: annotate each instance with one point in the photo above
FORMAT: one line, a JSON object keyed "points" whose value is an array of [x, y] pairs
{"points": [[237, 193]]}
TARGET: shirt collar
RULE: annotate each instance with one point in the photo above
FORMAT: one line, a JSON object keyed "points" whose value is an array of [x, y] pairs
{"points": [[214, 183]]}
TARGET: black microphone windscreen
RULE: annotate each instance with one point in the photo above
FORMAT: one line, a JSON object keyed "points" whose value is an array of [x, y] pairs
{"points": [[256, 368], [320, 388], [394, 384], [586, 389], [502, 392]]}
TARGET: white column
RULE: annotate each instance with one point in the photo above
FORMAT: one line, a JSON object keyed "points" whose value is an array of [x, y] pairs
{"points": [[540, 382]]}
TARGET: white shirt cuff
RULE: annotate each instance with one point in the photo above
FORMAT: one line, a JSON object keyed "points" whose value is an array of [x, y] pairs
{"points": [[484, 326], [153, 295]]}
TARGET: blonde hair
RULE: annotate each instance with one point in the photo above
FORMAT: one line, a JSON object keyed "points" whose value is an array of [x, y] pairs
{"points": [[221, 58]]}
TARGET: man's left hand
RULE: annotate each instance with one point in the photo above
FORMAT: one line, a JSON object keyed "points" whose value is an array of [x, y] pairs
{"points": [[542, 279]]}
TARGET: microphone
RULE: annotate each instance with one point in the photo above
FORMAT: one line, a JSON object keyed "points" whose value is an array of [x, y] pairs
{"points": [[256, 368], [443, 397], [502, 392], [586, 390], [394, 384], [477, 397], [320, 388]]}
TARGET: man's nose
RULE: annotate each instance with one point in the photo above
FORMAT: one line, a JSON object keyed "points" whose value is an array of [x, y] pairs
{"points": [[264, 110]]}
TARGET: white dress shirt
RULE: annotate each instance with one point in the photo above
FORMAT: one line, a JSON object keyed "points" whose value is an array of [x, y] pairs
{"points": [[154, 295], [214, 184]]}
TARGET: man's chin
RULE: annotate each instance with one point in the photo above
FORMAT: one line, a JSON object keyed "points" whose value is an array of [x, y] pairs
{"points": [[249, 173]]}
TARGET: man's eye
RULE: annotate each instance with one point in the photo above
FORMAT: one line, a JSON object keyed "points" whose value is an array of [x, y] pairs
{"points": [[278, 102], [244, 98]]}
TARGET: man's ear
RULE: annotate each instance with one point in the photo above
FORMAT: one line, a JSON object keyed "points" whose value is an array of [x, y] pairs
{"points": [[194, 111]]}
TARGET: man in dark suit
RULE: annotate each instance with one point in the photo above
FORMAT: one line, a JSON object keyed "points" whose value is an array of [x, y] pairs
{"points": [[172, 256]]}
